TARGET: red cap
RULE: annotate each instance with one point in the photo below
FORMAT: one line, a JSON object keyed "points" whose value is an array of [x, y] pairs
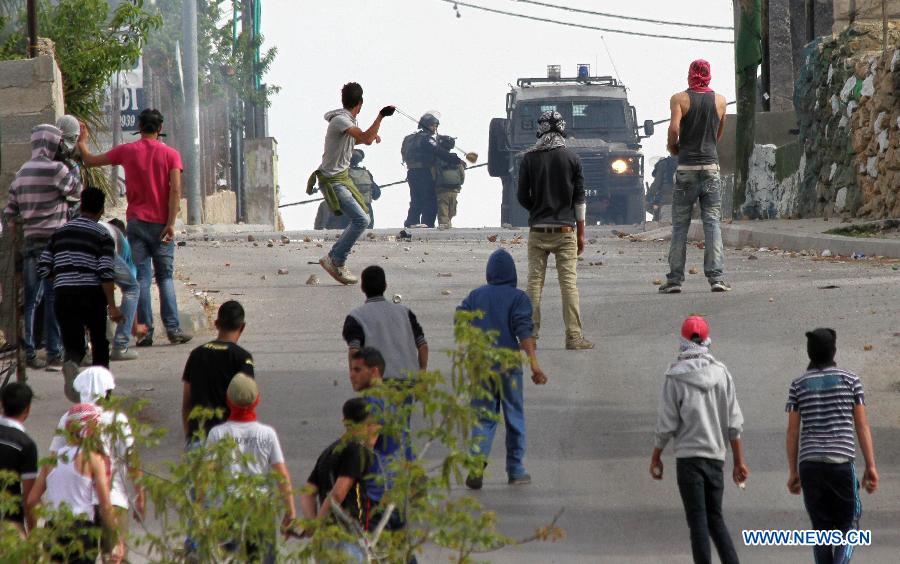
{"points": [[695, 325]]}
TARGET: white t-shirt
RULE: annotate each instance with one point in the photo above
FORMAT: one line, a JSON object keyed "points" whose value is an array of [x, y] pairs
{"points": [[254, 439], [117, 453]]}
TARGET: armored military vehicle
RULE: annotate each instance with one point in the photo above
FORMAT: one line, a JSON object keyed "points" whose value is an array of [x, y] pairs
{"points": [[602, 128]]}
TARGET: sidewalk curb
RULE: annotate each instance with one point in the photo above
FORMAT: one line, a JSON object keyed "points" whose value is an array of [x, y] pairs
{"points": [[742, 235], [191, 313]]}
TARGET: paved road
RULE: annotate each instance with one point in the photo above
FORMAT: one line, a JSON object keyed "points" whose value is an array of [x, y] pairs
{"points": [[590, 430]]}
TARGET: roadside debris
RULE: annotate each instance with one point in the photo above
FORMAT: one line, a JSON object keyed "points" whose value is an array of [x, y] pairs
{"points": [[445, 274], [693, 271], [397, 298], [182, 243], [867, 347], [753, 257], [657, 282], [285, 239], [445, 292], [826, 253], [313, 280], [829, 287], [250, 238], [283, 271], [492, 238]]}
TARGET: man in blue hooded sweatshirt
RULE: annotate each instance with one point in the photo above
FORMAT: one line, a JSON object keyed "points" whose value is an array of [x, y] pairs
{"points": [[507, 310]]}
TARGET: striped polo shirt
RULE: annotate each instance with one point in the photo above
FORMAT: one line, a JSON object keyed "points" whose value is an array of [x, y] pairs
{"points": [[80, 253], [825, 400]]}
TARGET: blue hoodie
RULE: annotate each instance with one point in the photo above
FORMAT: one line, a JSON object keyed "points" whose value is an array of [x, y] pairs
{"points": [[506, 308]]}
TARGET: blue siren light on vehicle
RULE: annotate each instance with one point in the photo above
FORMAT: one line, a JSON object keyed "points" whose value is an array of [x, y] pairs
{"points": [[584, 71]]}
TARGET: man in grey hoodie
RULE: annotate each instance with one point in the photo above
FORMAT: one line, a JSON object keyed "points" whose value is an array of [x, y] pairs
{"points": [[699, 409], [333, 177]]}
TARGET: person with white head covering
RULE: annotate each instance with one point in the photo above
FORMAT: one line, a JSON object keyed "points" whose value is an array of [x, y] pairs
{"points": [[94, 386], [79, 482]]}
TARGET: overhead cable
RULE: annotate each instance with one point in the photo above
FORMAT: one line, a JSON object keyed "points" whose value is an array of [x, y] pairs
{"points": [[583, 26], [621, 17]]}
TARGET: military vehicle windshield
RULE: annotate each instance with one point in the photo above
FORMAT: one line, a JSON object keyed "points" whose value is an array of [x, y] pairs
{"points": [[606, 119]]}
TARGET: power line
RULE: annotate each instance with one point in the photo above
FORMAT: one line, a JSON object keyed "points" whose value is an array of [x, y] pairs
{"points": [[583, 26], [632, 18]]}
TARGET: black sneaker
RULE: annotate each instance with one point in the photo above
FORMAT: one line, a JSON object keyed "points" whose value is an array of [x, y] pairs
{"points": [[54, 364], [720, 286], [145, 341], [474, 481], [670, 288], [179, 337], [70, 372]]}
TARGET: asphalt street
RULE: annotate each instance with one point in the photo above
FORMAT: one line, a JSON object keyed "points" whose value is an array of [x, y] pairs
{"points": [[590, 430]]}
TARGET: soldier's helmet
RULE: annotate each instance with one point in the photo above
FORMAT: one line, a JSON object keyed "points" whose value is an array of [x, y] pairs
{"points": [[446, 142], [428, 120], [357, 157]]}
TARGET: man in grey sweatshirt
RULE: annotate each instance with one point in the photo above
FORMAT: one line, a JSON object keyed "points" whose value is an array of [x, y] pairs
{"points": [[699, 409]]}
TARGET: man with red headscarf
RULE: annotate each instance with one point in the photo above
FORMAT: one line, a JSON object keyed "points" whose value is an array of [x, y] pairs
{"points": [[697, 125], [258, 452]]}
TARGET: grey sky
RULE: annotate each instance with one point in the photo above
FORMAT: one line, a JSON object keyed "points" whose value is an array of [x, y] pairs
{"points": [[418, 55]]}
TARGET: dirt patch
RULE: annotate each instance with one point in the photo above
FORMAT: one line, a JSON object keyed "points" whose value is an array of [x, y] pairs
{"points": [[885, 229]]}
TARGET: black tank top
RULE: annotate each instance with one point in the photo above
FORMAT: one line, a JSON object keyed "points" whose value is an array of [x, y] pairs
{"points": [[699, 127]]}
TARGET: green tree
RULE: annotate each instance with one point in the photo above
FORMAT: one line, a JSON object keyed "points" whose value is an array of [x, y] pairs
{"points": [[92, 43]]}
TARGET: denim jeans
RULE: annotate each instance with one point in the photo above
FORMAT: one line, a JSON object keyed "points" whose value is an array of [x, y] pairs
{"points": [[700, 484], [512, 401], [37, 289], [131, 293], [691, 186], [831, 497], [147, 248], [359, 222]]}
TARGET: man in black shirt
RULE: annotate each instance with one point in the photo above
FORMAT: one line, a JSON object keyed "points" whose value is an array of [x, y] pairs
{"points": [[340, 469], [551, 188], [18, 453], [210, 368]]}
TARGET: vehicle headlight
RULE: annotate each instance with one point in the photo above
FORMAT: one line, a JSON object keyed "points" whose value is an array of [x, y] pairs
{"points": [[619, 166]]}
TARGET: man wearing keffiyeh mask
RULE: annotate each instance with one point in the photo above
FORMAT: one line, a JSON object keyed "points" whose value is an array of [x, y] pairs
{"points": [[697, 125], [551, 188]]}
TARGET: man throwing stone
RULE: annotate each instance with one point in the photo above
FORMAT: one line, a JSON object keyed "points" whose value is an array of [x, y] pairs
{"points": [[334, 179], [697, 125], [551, 188]]}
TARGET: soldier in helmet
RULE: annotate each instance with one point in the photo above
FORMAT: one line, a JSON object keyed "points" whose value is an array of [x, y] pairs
{"points": [[364, 182], [421, 152], [448, 181], [659, 194]]}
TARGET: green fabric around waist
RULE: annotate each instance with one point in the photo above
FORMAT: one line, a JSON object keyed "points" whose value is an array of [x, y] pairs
{"points": [[326, 186]]}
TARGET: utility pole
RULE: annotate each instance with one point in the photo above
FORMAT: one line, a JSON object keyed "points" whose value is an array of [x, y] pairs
{"points": [[31, 17], [191, 137], [115, 107], [747, 56], [766, 71]]}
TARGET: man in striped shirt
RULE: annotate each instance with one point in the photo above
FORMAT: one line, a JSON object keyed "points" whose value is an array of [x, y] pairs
{"points": [[824, 407], [79, 259], [38, 198]]}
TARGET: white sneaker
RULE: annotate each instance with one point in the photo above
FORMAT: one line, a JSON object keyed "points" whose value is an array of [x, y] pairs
{"points": [[340, 273]]}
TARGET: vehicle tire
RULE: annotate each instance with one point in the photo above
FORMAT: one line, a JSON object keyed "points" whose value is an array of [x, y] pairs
{"points": [[634, 209], [498, 149]]}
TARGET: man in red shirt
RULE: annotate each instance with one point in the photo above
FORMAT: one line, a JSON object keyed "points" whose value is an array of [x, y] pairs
{"points": [[153, 190]]}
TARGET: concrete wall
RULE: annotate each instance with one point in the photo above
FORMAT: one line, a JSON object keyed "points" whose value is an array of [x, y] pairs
{"points": [[219, 208], [30, 94], [261, 181]]}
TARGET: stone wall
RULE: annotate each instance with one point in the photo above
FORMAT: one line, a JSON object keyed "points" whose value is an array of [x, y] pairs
{"points": [[218, 208], [30, 94], [849, 114]]}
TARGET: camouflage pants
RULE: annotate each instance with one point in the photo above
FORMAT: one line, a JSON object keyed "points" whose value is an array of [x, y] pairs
{"points": [[446, 203]]}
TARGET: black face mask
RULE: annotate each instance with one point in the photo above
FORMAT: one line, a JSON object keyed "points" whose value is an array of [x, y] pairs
{"points": [[821, 346], [63, 152]]}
